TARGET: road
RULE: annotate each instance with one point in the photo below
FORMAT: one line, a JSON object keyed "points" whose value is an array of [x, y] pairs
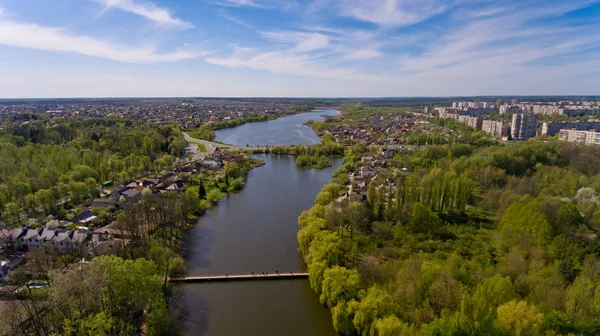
{"points": [[210, 147]]}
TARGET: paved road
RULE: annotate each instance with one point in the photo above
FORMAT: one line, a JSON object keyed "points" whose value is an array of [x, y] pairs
{"points": [[210, 147]]}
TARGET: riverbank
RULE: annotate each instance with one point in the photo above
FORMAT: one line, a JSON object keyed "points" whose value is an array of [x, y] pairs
{"points": [[255, 231]]}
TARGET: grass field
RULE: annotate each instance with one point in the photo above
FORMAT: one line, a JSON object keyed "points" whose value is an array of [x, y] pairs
{"points": [[201, 148]]}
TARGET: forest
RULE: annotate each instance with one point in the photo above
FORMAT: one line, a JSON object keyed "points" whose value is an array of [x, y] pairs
{"points": [[462, 239], [48, 166]]}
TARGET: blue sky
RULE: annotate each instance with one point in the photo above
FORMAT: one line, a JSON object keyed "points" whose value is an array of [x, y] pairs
{"points": [[298, 48]]}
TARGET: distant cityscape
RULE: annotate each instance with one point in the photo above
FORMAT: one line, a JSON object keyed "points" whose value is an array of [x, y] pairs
{"points": [[525, 121], [508, 119]]}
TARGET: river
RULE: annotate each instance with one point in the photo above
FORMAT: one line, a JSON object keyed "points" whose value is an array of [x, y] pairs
{"points": [[255, 231], [283, 131]]}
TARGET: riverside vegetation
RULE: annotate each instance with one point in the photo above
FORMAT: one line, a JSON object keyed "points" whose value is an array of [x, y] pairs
{"points": [[49, 167], [461, 239]]}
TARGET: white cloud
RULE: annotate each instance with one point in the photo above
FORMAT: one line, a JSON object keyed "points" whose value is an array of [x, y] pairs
{"points": [[32, 36], [238, 3], [148, 10], [393, 13], [302, 41], [235, 20], [362, 54]]}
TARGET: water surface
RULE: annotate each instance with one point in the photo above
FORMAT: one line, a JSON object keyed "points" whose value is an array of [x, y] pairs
{"points": [[283, 131], [255, 231]]}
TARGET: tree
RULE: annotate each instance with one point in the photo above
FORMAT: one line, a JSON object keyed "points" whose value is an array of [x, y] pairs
{"points": [[520, 319], [214, 195], [170, 265], [339, 284], [12, 213], [376, 304], [47, 200], [586, 196], [342, 316], [109, 296], [324, 198], [579, 305], [568, 219], [490, 294], [423, 220], [390, 326], [232, 171], [201, 191], [523, 218], [325, 251]]}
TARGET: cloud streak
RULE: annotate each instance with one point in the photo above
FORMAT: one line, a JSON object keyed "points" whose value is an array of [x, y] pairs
{"points": [[148, 10], [32, 36]]}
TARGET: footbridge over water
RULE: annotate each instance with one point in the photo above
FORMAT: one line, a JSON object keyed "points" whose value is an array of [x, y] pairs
{"points": [[242, 277]]}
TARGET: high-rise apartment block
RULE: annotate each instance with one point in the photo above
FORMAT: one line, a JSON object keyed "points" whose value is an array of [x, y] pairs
{"points": [[584, 137], [497, 129], [524, 126]]}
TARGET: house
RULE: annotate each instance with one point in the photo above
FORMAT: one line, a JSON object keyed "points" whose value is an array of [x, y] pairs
{"points": [[31, 238], [166, 177], [68, 241], [367, 171], [355, 198], [212, 164], [131, 194], [85, 217], [120, 191], [103, 243], [48, 236], [177, 186], [389, 152], [103, 203], [11, 237], [188, 169], [151, 183]]}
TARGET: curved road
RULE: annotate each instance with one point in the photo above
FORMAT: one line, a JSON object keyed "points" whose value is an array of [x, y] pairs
{"points": [[210, 147]]}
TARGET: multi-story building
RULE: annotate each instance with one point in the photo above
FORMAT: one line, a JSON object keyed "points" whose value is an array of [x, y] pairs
{"points": [[524, 126], [474, 122], [497, 129], [552, 129], [584, 137]]}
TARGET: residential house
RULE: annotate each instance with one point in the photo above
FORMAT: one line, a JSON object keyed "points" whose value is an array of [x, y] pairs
{"points": [[131, 194], [166, 177], [212, 164], [86, 216], [176, 186], [151, 182], [367, 171], [103, 203], [31, 238]]}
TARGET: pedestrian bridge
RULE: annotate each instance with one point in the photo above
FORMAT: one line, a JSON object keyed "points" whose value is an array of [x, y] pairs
{"points": [[242, 277]]}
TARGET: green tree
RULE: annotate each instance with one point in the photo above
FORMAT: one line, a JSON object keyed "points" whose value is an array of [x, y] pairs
{"points": [[201, 191], [324, 198], [568, 219], [488, 296], [579, 304], [520, 319], [339, 284], [12, 213], [376, 304], [390, 326], [523, 218], [423, 220]]}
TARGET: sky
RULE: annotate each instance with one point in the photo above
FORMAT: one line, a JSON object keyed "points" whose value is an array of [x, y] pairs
{"points": [[298, 48]]}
